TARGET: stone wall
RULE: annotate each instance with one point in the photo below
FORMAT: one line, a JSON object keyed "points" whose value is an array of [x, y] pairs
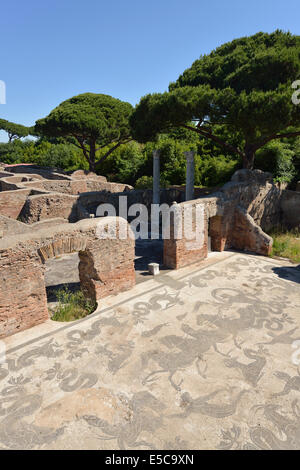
{"points": [[23, 300], [267, 203], [12, 202], [290, 207], [77, 186], [106, 267], [246, 235], [255, 192], [47, 173], [232, 219], [181, 250], [49, 206], [9, 226], [54, 194], [91, 200]]}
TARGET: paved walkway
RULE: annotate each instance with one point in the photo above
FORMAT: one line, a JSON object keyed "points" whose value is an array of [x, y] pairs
{"points": [[200, 358]]}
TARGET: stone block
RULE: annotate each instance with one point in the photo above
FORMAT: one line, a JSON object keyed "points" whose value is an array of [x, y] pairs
{"points": [[153, 268]]}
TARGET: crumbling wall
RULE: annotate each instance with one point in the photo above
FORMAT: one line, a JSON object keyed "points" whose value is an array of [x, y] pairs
{"points": [[47, 173], [49, 206], [9, 226], [23, 300], [232, 219], [290, 207], [55, 194], [180, 247], [246, 235], [255, 191], [106, 267], [12, 202]]}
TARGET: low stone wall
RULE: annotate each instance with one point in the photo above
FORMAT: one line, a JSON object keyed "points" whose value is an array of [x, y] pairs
{"points": [[90, 201], [95, 185], [49, 206], [12, 202], [53, 198], [11, 227], [47, 173], [106, 267], [290, 207], [77, 186]]}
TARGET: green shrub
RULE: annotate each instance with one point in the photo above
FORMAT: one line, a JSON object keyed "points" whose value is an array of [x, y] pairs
{"points": [[72, 305], [286, 245], [124, 164], [41, 152], [277, 158], [144, 182], [213, 171]]}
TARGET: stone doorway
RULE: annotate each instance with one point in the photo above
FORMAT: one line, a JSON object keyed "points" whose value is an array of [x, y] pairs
{"points": [[61, 272], [147, 251]]}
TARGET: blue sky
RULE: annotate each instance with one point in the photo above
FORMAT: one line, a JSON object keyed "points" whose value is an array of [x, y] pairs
{"points": [[54, 49]]}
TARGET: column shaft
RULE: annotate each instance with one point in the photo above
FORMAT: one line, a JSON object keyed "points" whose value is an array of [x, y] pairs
{"points": [[190, 175], [156, 177]]}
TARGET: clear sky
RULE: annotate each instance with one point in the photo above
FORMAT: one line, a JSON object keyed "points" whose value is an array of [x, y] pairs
{"points": [[54, 49]]}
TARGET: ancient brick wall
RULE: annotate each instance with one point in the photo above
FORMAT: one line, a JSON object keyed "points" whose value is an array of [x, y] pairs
{"points": [[218, 232], [226, 220], [181, 248], [246, 235], [12, 202], [55, 194], [106, 267], [11, 227], [48, 206], [23, 300], [109, 270]]}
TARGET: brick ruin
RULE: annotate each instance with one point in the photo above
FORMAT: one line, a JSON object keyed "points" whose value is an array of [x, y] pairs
{"points": [[44, 213]]}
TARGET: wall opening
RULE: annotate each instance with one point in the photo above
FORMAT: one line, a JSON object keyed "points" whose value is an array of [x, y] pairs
{"points": [[65, 298], [217, 233], [147, 251]]}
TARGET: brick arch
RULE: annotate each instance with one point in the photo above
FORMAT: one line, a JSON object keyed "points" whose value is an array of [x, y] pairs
{"points": [[62, 246]]}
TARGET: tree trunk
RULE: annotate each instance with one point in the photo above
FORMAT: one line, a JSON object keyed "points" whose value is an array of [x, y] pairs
{"points": [[248, 158], [92, 155]]}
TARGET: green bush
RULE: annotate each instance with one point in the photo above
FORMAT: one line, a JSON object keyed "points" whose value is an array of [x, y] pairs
{"points": [[213, 171], [144, 182], [286, 244], [41, 152], [72, 305], [132, 163], [124, 165], [277, 158]]}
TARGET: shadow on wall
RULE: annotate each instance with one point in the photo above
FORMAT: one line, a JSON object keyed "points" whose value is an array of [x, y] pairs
{"points": [[288, 273]]}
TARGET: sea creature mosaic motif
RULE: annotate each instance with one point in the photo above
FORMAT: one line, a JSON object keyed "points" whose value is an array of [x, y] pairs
{"points": [[202, 361]]}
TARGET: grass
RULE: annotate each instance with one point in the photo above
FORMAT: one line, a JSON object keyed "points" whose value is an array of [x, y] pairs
{"points": [[286, 245], [72, 306]]}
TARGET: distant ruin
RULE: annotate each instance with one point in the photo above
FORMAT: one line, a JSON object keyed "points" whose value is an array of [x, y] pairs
{"points": [[45, 213]]}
